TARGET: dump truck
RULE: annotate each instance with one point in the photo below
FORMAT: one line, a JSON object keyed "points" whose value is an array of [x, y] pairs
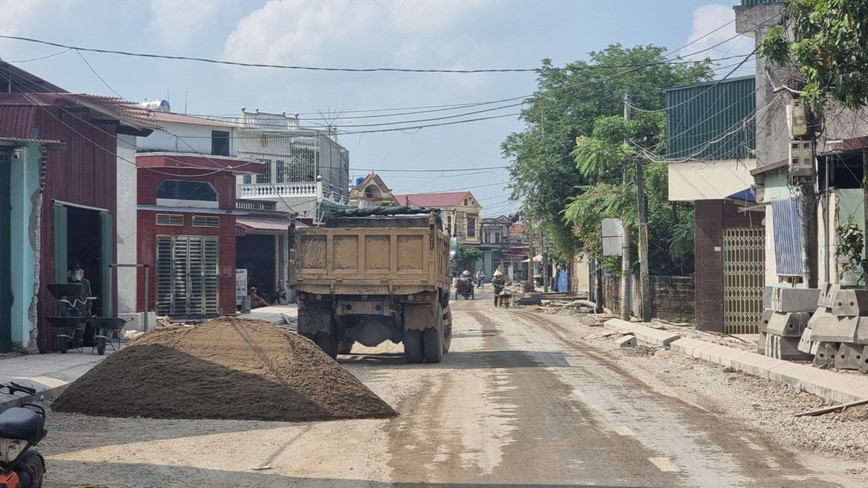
{"points": [[374, 275]]}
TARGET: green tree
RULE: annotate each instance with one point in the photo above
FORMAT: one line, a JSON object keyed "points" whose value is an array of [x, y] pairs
{"points": [[465, 258], [566, 106], [830, 50]]}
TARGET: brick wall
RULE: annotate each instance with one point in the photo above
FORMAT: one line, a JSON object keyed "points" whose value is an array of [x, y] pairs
{"points": [[673, 297]]}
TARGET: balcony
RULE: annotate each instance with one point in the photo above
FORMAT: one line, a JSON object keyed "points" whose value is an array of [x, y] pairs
{"points": [[308, 190]]}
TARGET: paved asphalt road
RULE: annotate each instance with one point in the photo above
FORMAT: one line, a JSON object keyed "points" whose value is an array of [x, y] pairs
{"points": [[515, 403]]}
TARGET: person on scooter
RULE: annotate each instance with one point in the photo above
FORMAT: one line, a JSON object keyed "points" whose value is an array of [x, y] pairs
{"points": [[499, 284], [480, 277]]}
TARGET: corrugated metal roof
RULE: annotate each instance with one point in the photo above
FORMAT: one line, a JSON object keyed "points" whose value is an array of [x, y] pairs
{"points": [[16, 121], [446, 199], [169, 117], [712, 120], [257, 223]]}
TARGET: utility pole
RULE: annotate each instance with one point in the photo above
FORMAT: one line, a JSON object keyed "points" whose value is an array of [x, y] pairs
{"points": [[644, 275], [626, 289]]}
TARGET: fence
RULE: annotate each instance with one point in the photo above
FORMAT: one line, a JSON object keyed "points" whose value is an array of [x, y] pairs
{"points": [[672, 297]]}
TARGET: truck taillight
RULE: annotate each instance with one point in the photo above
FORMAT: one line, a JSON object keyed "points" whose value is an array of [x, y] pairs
{"points": [[302, 296]]}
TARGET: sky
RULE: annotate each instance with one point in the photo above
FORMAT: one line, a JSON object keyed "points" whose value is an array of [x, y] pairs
{"points": [[359, 34]]}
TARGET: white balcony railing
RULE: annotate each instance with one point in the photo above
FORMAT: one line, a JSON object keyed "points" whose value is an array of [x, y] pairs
{"points": [[277, 190], [269, 191]]}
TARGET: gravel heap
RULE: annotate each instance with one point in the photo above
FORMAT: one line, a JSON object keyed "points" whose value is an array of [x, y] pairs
{"points": [[226, 368]]}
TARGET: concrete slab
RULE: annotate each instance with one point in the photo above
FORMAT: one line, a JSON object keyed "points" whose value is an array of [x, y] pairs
{"points": [[764, 320], [825, 356], [643, 333], [786, 348], [850, 303], [842, 330], [795, 299], [788, 324], [626, 341], [862, 331], [827, 294], [849, 356]]}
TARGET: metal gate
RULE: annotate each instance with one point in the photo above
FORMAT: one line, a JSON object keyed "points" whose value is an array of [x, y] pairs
{"points": [[187, 276], [743, 279]]}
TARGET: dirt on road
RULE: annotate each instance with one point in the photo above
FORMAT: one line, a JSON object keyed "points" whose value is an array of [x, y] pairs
{"points": [[223, 369]]}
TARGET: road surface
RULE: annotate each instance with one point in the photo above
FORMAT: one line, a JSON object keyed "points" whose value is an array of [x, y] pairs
{"points": [[517, 402]]}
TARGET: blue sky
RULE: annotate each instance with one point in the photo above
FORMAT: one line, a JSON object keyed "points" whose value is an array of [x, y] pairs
{"points": [[419, 34]]}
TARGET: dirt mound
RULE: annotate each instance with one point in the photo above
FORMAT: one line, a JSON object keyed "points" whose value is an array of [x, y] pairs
{"points": [[226, 368]]}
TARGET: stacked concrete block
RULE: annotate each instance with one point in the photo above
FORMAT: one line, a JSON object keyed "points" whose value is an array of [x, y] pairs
{"points": [[838, 330], [763, 327], [782, 326]]}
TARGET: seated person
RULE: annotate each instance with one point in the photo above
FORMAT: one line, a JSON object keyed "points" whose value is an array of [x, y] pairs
{"points": [[256, 301], [280, 293], [465, 276]]}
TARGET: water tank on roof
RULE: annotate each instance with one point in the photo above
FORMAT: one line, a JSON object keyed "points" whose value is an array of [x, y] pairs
{"points": [[359, 180], [157, 105]]}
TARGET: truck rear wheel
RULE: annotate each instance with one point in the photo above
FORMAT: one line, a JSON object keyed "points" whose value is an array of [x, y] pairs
{"points": [[413, 346], [327, 343], [432, 338], [447, 330], [346, 346]]}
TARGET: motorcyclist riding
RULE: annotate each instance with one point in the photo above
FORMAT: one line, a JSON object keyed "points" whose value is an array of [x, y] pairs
{"points": [[499, 283]]}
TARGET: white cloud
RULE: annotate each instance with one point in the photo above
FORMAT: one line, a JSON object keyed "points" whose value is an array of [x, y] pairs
{"points": [[175, 23], [19, 15], [312, 31], [710, 40]]}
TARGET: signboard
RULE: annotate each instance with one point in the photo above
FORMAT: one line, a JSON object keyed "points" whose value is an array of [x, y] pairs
{"points": [[240, 286], [613, 237]]}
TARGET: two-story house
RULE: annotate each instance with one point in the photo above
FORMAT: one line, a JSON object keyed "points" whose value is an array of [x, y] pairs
{"points": [[187, 216], [306, 169], [461, 212]]}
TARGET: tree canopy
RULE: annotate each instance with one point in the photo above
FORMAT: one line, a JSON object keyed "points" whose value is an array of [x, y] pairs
{"points": [[575, 116], [830, 48]]}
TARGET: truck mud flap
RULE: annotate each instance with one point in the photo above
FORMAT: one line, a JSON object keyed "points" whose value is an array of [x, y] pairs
{"points": [[314, 319], [420, 317]]}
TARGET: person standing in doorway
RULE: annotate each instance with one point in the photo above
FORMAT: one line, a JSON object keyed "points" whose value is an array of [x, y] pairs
{"points": [[76, 275]]}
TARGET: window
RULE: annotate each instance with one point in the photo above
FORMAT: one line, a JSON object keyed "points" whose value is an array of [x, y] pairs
{"points": [[265, 177], [471, 226], [280, 170], [170, 219], [449, 224], [186, 190], [373, 191], [497, 237], [219, 143], [248, 179], [206, 221]]}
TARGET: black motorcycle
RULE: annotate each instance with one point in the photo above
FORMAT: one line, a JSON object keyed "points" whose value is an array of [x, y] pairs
{"points": [[21, 429]]}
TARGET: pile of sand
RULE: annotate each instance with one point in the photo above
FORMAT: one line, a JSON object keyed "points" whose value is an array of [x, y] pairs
{"points": [[226, 368]]}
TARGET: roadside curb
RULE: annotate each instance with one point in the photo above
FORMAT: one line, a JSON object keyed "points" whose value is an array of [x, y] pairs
{"points": [[48, 386], [660, 338], [830, 385], [827, 384]]}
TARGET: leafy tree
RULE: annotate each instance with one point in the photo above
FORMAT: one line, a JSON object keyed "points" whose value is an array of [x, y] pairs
{"points": [[567, 105], [830, 49], [465, 258]]}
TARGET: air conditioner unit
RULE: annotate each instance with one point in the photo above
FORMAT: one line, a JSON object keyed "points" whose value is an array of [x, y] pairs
{"points": [[796, 118], [802, 159]]}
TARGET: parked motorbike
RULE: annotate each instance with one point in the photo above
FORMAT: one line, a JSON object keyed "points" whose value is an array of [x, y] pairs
{"points": [[21, 429]]}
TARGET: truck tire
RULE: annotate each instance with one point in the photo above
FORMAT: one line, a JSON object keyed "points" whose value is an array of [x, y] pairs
{"points": [[345, 346], [447, 330], [413, 346], [328, 343], [432, 339]]}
